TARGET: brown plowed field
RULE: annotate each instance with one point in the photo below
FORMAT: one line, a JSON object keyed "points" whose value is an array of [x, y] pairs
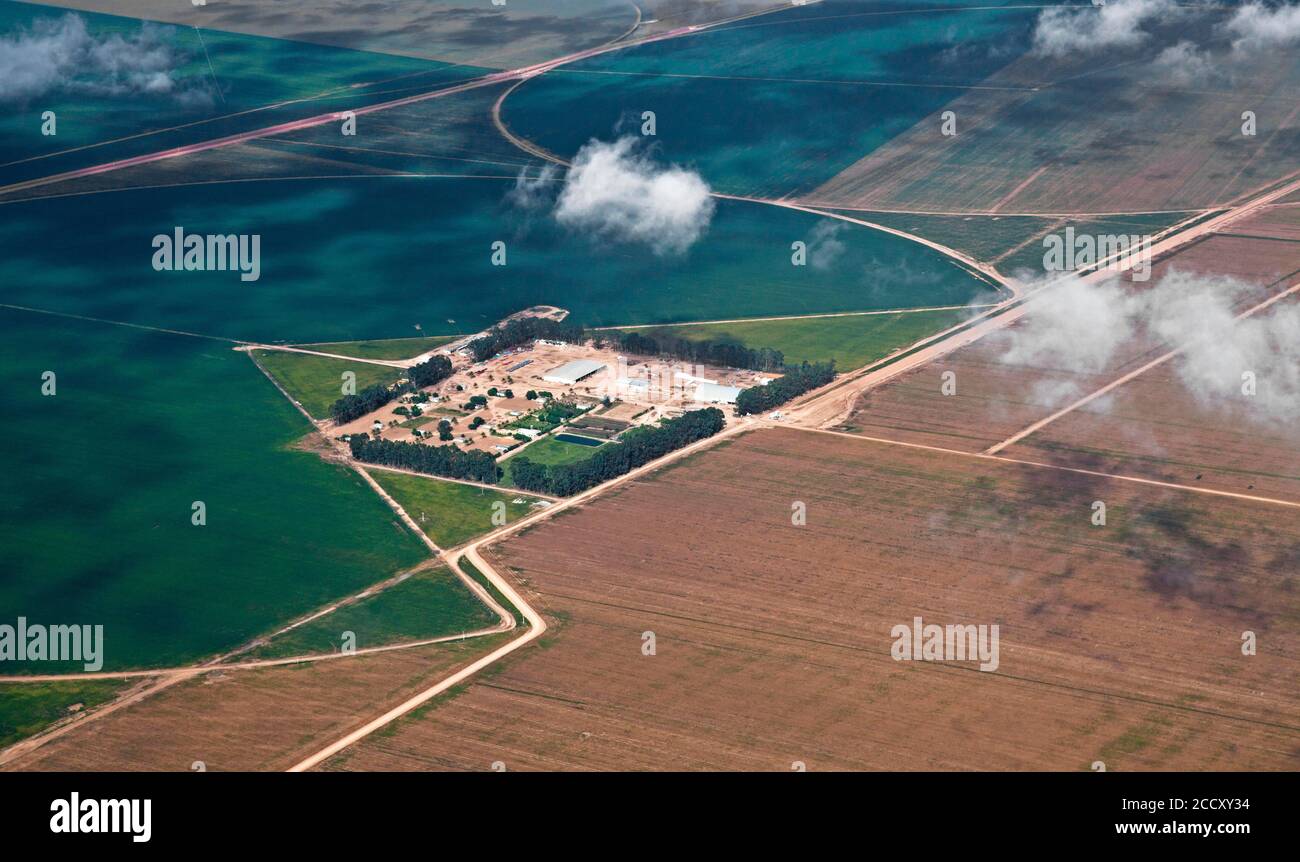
{"points": [[1118, 643], [1154, 428], [251, 720]]}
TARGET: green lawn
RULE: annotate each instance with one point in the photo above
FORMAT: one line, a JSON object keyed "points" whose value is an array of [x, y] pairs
{"points": [[428, 604], [27, 708], [317, 381], [449, 512], [851, 341], [548, 450], [384, 348]]}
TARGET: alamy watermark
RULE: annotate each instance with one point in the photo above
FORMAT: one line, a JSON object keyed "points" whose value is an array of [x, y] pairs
{"points": [[1072, 251], [181, 251], [930, 642], [37, 642]]}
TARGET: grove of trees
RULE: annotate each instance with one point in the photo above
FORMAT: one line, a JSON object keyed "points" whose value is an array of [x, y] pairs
{"points": [[522, 330], [797, 380]]}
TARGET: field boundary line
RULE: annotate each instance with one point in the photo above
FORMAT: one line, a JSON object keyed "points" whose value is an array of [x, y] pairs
{"points": [[1120, 381], [883, 312], [1120, 477]]}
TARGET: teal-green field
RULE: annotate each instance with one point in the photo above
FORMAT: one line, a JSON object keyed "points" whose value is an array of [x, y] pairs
{"points": [[97, 484]]}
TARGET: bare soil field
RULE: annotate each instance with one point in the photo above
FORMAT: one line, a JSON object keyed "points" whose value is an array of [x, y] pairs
{"points": [[1118, 643], [1153, 428], [265, 719], [1280, 223]]}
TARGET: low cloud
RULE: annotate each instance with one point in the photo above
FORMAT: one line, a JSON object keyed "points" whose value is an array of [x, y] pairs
{"points": [[618, 192], [1080, 328], [824, 244], [1257, 26], [60, 54], [534, 190], [1183, 64], [1084, 29]]}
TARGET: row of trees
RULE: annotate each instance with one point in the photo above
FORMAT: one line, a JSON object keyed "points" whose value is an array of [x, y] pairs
{"points": [[723, 353], [434, 460], [796, 381], [351, 407], [433, 370], [614, 459], [522, 330]]}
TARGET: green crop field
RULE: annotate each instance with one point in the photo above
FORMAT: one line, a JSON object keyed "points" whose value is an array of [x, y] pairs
{"points": [[740, 267], [429, 604], [98, 482], [852, 341], [26, 708], [451, 513], [317, 381], [386, 348]]}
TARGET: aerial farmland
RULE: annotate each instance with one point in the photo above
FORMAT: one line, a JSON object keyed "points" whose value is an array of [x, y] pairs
{"points": [[650, 385]]}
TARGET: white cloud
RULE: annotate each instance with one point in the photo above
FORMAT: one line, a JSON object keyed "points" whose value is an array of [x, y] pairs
{"points": [[1080, 328], [1255, 25], [824, 244], [1183, 64], [61, 54], [533, 191], [617, 192], [1198, 313], [1117, 24], [1073, 327]]}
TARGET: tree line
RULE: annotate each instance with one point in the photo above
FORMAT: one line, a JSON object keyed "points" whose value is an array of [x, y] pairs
{"points": [[435, 460], [433, 370], [640, 446], [522, 330], [724, 353], [796, 381]]}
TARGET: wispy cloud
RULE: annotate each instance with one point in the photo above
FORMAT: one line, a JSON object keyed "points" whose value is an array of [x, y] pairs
{"points": [[1084, 29], [1080, 328], [60, 54]]}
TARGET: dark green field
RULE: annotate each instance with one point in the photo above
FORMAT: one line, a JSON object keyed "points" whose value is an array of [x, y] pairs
{"points": [[851, 341], [428, 604], [27, 708], [97, 484], [451, 513], [317, 381]]}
